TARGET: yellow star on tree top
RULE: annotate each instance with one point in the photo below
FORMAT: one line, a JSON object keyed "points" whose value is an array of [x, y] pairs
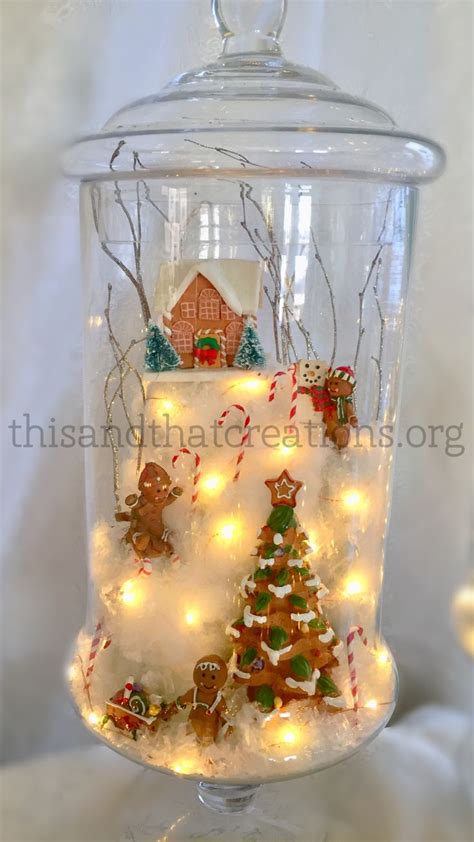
{"points": [[284, 489]]}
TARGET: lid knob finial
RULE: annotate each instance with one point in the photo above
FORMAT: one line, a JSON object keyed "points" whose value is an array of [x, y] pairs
{"points": [[249, 26]]}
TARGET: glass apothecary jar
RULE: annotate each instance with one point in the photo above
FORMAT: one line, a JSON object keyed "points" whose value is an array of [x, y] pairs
{"points": [[247, 244]]}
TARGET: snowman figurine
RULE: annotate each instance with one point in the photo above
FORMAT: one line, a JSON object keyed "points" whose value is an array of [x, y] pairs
{"points": [[313, 397]]}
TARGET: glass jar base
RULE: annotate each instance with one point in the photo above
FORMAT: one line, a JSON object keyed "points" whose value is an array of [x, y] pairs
{"points": [[227, 799], [165, 809]]}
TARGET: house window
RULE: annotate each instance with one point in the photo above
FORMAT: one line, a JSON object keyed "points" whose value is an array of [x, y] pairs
{"points": [[209, 304], [188, 310], [182, 337], [233, 333], [227, 313]]}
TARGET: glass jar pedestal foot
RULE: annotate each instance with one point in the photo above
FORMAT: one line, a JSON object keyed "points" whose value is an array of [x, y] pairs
{"points": [[227, 799], [158, 808]]}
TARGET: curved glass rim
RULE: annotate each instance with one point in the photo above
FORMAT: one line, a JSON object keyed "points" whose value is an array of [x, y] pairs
{"points": [[85, 168]]}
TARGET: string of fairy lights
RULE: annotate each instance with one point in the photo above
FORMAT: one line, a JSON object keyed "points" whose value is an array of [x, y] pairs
{"points": [[282, 734]]}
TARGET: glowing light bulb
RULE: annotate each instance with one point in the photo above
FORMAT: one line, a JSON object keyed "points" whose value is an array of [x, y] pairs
{"points": [[184, 766], [191, 617], [462, 608], [168, 405], [382, 658], [286, 449], [253, 384], [129, 592], [312, 541], [352, 499], [289, 735], [372, 704], [228, 531], [93, 718], [212, 483], [354, 586]]}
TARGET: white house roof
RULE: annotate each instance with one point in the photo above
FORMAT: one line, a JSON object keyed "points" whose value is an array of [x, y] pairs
{"points": [[239, 283]]}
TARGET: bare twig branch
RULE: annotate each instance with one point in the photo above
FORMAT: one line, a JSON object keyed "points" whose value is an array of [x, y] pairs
{"points": [[137, 162], [152, 203], [124, 367], [378, 360], [268, 251], [361, 294], [229, 153], [331, 297], [135, 280], [116, 153]]}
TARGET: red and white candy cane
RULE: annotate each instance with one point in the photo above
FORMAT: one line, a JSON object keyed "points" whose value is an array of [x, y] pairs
{"points": [[145, 566], [245, 434], [184, 451], [127, 690], [95, 649], [289, 372], [353, 632]]}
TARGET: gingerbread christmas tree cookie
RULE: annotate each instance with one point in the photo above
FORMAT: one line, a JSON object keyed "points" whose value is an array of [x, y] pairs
{"points": [[284, 647]]}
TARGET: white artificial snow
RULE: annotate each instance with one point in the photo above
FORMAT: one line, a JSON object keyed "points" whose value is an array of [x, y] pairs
{"points": [[161, 624]]}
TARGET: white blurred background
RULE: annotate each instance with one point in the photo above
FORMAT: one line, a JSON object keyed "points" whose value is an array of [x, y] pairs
{"points": [[68, 65]]}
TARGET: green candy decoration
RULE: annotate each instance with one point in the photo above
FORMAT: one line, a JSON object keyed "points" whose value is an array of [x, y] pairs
{"points": [[281, 519], [265, 697]]}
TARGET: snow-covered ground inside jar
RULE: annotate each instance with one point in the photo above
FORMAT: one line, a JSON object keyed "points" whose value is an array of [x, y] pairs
{"points": [[295, 740]]}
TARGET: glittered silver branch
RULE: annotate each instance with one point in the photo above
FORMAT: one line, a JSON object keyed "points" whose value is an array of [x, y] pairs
{"points": [[123, 367], [228, 153], [378, 360], [290, 315], [268, 250], [133, 275], [281, 294], [331, 297], [362, 292]]}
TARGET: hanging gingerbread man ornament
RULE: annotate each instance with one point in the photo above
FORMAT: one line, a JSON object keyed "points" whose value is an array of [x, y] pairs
{"points": [[206, 700], [339, 416], [147, 533]]}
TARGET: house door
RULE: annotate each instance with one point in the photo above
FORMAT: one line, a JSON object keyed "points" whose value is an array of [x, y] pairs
{"points": [[208, 349]]}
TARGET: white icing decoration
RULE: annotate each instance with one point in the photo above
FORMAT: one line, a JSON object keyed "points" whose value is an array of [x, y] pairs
{"points": [[309, 687], [322, 592], [231, 631], [274, 655], [278, 539], [294, 562], [240, 673], [335, 703], [280, 592], [338, 649], [266, 562], [314, 582], [303, 618], [326, 636], [250, 619], [247, 583]]}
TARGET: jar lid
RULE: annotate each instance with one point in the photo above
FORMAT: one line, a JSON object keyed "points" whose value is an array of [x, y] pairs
{"points": [[253, 110]]}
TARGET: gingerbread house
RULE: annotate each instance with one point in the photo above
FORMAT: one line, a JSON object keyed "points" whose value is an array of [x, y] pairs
{"points": [[204, 305]]}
